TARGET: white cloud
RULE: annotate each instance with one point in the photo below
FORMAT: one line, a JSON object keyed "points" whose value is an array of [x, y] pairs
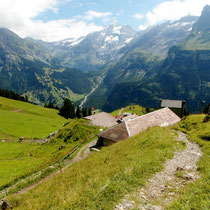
{"points": [[173, 10], [19, 16], [138, 16], [91, 14], [58, 29]]}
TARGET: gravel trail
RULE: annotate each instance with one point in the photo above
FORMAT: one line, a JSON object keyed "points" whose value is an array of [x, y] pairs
{"points": [[159, 191]]}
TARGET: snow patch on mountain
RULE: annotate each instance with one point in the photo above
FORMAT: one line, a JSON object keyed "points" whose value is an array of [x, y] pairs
{"points": [[112, 39], [117, 29], [128, 40]]}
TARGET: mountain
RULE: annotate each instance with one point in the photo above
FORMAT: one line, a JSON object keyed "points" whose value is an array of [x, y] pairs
{"points": [[185, 74], [27, 68], [199, 38], [96, 49], [170, 60], [142, 58], [157, 40]]}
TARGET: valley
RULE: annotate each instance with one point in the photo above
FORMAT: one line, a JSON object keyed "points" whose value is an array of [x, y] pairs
{"points": [[113, 59], [118, 118]]}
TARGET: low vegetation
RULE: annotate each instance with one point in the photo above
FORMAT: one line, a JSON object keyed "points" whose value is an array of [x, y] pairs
{"points": [[101, 180], [19, 160], [136, 109], [27, 120], [196, 195]]}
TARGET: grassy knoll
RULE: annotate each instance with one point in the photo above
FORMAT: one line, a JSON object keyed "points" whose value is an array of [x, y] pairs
{"points": [[24, 119], [136, 109], [105, 177], [18, 160], [196, 195]]}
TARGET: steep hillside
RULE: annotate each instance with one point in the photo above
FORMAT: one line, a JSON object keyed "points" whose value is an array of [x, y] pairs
{"points": [[21, 159], [28, 68], [12, 46], [183, 75], [27, 120], [157, 40], [102, 179], [199, 37]]}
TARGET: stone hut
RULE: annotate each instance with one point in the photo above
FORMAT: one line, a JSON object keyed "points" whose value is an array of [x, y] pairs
{"points": [[177, 106], [162, 117], [102, 119]]}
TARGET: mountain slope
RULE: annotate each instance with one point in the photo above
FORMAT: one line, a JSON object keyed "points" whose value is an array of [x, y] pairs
{"points": [[24, 119], [143, 77], [184, 75], [199, 38], [28, 69], [157, 40], [96, 49]]}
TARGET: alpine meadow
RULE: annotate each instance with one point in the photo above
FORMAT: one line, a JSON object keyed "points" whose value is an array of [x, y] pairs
{"points": [[104, 104]]}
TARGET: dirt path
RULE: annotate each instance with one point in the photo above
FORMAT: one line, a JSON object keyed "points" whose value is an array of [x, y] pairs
{"points": [[85, 150], [159, 191]]}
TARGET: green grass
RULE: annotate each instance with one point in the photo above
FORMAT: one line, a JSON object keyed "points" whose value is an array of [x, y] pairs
{"points": [[102, 179], [115, 112], [196, 195], [24, 119], [18, 160], [136, 109]]}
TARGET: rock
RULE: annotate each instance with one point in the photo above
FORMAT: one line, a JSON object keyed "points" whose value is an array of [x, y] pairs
{"points": [[188, 167], [188, 176], [179, 169], [4, 205]]}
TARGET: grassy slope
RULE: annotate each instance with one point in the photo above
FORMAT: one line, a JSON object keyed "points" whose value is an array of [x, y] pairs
{"points": [[197, 195], [104, 177], [136, 109], [24, 119], [20, 159]]}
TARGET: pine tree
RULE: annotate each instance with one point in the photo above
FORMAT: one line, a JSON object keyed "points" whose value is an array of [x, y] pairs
{"points": [[78, 112], [89, 112], [84, 112], [67, 110]]}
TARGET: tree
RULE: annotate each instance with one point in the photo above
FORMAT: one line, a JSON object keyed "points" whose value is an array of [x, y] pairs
{"points": [[78, 112], [84, 112], [89, 112], [67, 110]]}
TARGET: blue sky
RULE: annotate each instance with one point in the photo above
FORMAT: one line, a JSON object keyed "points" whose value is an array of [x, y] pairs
{"points": [[53, 20], [122, 11]]}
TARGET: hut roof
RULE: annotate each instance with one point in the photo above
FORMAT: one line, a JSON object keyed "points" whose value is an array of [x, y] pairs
{"points": [[172, 103], [161, 117], [102, 119], [116, 134]]}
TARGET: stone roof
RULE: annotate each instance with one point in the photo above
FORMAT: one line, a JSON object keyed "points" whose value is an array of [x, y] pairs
{"points": [[172, 103], [102, 119], [161, 117], [115, 134]]}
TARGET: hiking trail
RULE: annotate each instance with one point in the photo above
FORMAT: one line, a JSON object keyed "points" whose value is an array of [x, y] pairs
{"points": [[159, 191]]}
